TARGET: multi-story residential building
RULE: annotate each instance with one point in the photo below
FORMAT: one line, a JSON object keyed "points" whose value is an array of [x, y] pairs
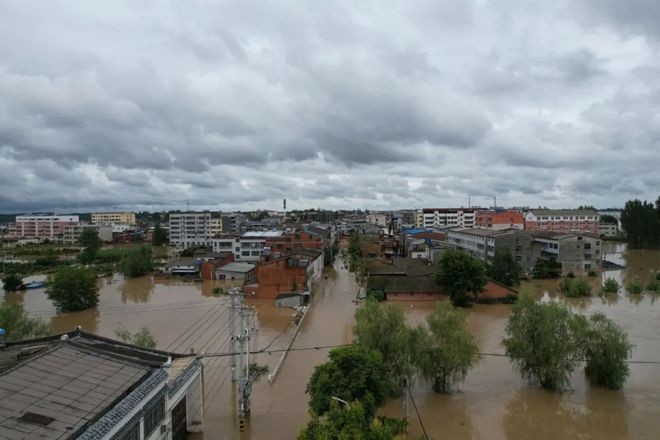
{"points": [[78, 385], [439, 217], [73, 232], [499, 219], [190, 229], [216, 227], [482, 244], [576, 252], [378, 219], [608, 229], [562, 220], [247, 247], [113, 217], [43, 226]]}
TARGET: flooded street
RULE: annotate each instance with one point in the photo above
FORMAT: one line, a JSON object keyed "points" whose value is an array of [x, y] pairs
{"points": [[492, 404]]}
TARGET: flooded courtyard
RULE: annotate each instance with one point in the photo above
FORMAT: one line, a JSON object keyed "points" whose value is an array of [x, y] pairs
{"points": [[493, 403]]}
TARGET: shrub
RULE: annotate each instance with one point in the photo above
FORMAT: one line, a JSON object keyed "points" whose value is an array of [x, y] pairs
{"points": [[653, 286], [12, 283], [73, 289], [575, 287], [592, 274], [570, 275], [546, 268], [606, 349], [635, 288], [611, 286]]}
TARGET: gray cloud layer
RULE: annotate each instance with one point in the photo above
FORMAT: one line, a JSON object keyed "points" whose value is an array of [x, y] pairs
{"points": [[235, 105]]}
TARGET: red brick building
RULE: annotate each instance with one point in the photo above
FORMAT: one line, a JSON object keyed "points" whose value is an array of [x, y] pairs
{"points": [[499, 220], [294, 241], [289, 273]]}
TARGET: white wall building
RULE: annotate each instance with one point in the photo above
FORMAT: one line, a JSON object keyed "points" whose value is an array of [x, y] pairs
{"points": [[449, 217], [248, 247], [190, 229]]}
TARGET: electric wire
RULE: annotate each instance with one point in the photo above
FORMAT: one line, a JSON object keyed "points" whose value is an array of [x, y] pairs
{"points": [[174, 342], [419, 417]]}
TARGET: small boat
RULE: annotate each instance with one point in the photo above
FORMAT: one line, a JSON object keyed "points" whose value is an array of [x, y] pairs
{"points": [[35, 285]]}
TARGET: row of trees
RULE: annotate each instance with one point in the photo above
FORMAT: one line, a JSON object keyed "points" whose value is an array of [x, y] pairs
{"points": [[547, 342], [641, 223], [387, 356]]}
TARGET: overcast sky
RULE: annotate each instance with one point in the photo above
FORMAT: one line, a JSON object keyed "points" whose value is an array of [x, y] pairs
{"points": [[370, 104]]}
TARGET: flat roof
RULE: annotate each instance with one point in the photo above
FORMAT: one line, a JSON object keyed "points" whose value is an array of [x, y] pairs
{"points": [[237, 267], [264, 234], [484, 232], [563, 211]]}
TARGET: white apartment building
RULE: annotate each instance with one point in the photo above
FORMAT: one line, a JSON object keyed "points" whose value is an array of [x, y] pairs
{"points": [[446, 217], [248, 247], [190, 229], [377, 218], [113, 217]]}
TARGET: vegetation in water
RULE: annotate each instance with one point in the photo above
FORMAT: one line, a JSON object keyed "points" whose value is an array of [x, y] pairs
{"points": [[546, 268], [141, 338], [18, 325], [635, 288], [641, 223], [611, 286], [505, 269], [91, 243], [461, 275], [575, 287], [137, 262], [12, 283], [606, 351], [159, 236], [73, 289]]}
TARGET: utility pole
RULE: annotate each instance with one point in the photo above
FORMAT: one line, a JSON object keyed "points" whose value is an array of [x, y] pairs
{"points": [[242, 341]]}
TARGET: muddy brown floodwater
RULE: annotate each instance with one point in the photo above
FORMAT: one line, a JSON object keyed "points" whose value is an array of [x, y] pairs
{"points": [[493, 403]]}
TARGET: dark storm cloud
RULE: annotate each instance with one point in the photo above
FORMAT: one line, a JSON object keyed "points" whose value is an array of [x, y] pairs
{"points": [[232, 105]]}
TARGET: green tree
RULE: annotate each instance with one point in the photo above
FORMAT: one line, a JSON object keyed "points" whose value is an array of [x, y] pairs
{"points": [[352, 373], [606, 350], [446, 351], [546, 268], [544, 341], [18, 325], [141, 338], [611, 286], [505, 269], [382, 328], [575, 287], [344, 422], [90, 241], [159, 236], [73, 289], [461, 274], [586, 207], [12, 283], [137, 262], [641, 224]]}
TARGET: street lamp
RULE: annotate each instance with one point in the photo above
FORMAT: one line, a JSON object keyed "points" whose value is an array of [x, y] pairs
{"points": [[341, 400]]}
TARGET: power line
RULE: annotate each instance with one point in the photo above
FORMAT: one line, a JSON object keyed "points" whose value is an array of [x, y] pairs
{"points": [[426, 436], [174, 342]]}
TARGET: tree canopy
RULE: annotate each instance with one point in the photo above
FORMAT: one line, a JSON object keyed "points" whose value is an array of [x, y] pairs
{"points": [[382, 328], [137, 262], [641, 223], [446, 351], [90, 241], [12, 283], [505, 269], [73, 289], [461, 274], [544, 341], [606, 349], [352, 373], [546, 268], [141, 338], [159, 236]]}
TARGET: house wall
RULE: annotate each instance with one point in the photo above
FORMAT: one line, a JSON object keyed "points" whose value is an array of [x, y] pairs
{"points": [[580, 254], [275, 277]]}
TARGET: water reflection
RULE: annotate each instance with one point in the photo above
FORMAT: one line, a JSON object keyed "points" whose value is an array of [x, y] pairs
{"points": [[540, 414], [137, 290]]}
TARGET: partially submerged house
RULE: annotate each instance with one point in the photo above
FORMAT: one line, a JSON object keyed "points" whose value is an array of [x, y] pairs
{"points": [[81, 386]]}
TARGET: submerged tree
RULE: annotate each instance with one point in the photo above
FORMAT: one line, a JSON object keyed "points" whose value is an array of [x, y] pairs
{"points": [[382, 328], [141, 338], [606, 350], [446, 351], [544, 341], [12, 283], [159, 236], [460, 274], [137, 262], [73, 289], [505, 269], [352, 373], [90, 241]]}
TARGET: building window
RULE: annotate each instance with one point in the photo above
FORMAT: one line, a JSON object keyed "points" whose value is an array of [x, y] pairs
{"points": [[132, 434], [518, 248], [518, 258], [245, 253], [587, 245], [153, 417]]}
